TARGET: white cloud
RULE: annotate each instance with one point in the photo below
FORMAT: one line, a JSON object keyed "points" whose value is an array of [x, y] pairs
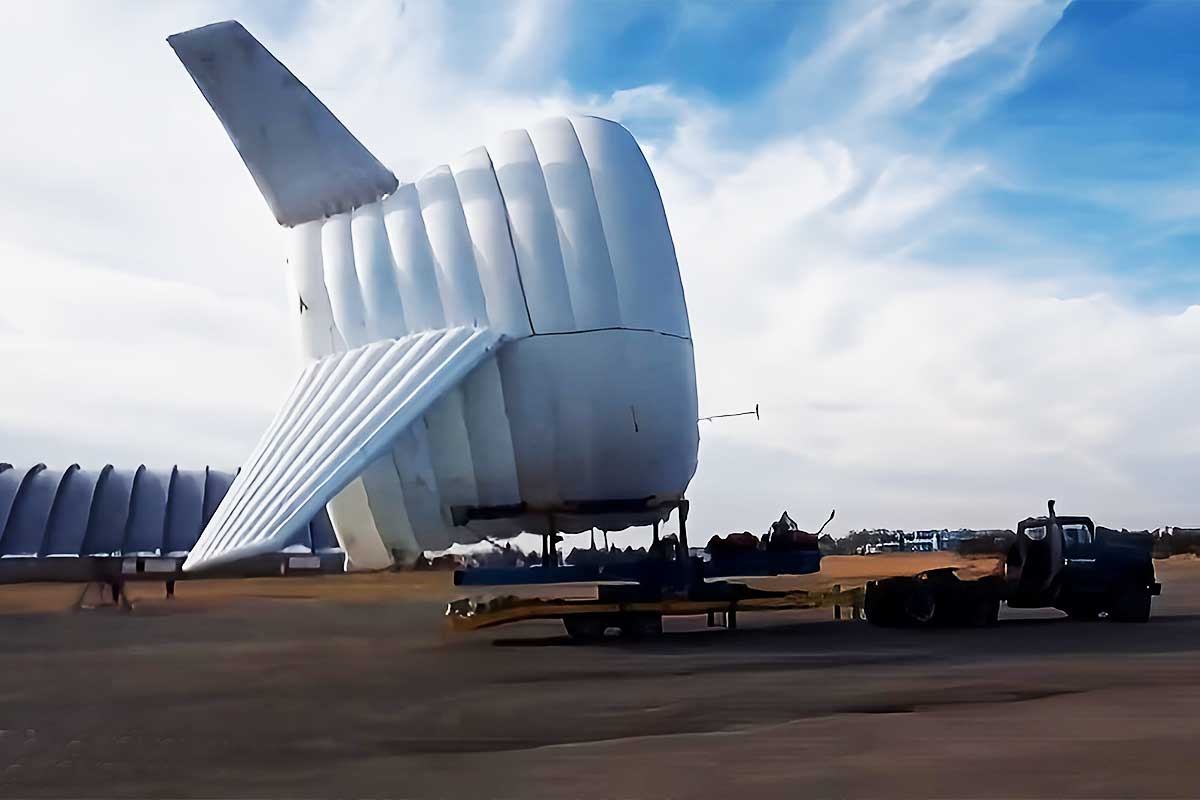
{"points": [[142, 317], [883, 58]]}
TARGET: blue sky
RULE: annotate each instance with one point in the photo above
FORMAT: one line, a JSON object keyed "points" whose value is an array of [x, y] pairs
{"points": [[895, 221], [1097, 141], [725, 51]]}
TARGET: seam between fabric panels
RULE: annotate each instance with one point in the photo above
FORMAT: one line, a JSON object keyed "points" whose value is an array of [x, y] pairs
{"points": [[562, 260], [358, 293], [22, 487], [92, 507], [335, 333], [512, 245], [55, 505], [615, 328], [434, 265], [476, 274], [604, 232], [167, 508], [670, 238], [129, 515]]}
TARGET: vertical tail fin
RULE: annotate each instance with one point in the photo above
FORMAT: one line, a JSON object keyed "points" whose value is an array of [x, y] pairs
{"points": [[305, 162]]}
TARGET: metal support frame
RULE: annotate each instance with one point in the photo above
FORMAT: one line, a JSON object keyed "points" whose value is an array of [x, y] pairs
{"points": [[683, 506]]}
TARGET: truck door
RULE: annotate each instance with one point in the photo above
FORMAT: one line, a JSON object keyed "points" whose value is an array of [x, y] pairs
{"points": [[1083, 572]]}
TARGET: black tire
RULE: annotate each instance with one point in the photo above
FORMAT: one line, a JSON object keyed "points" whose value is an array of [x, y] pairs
{"points": [[900, 602], [984, 613], [920, 605], [880, 605], [1084, 612], [586, 627], [642, 625], [1132, 604]]}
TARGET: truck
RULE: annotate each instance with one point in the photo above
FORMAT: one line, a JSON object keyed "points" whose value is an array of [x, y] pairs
{"points": [[1067, 563]]}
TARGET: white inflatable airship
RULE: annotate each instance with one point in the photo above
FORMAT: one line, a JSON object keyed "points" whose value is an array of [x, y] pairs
{"points": [[499, 346]]}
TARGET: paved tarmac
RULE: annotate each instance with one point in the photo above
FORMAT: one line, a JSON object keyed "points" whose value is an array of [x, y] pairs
{"points": [[307, 690]]}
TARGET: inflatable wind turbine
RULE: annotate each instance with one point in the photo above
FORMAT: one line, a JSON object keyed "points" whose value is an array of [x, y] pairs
{"points": [[500, 346]]}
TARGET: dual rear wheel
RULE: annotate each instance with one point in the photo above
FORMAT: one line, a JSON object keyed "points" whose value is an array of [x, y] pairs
{"points": [[931, 600], [939, 600], [1132, 604]]}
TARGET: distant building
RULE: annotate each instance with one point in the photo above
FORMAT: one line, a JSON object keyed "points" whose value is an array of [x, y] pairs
{"points": [[923, 541]]}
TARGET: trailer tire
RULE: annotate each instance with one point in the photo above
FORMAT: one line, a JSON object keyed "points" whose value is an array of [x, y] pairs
{"points": [[880, 605], [900, 602], [586, 627], [1132, 604], [920, 604], [984, 613]]}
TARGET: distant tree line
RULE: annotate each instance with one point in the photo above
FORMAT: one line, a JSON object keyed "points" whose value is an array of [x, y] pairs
{"points": [[963, 541], [1168, 541], [1172, 541]]}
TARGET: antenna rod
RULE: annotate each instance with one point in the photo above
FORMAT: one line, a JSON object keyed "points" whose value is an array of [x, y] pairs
{"points": [[738, 414]]}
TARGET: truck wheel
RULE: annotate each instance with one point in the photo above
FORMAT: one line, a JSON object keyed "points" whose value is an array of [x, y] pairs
{"points": [[1131, 605], [984, 613], [1084, 612], [586, 627], [642, 625]]}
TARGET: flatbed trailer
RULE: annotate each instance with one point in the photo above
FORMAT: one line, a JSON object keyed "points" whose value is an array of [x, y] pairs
{"points": [[583, 617], [633, 595]]}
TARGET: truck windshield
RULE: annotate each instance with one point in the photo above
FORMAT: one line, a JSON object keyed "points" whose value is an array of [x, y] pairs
{"points": [[1077, 535]]}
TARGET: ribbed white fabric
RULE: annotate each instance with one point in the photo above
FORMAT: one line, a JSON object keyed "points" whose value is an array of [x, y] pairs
{"points": [[345, 411], [554, 238]]}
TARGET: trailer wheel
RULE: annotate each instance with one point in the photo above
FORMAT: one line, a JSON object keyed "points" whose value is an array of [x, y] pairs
{"points": [[899, 602], [880, 606], [642, 625], [1131, 605], [920, 604], [586, 627]]}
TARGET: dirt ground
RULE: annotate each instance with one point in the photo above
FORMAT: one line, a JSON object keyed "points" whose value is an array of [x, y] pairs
{"points": [[353, 686]]}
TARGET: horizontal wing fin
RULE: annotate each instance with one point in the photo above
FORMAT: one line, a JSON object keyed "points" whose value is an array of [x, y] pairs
{"points": [[343, 413]]}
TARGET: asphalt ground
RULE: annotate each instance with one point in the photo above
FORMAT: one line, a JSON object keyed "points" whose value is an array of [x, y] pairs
{"points": [[355, 687]]}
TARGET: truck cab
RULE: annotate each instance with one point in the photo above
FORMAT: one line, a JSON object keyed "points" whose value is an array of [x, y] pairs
{"points": [[1066, 563], [1069, 563]]}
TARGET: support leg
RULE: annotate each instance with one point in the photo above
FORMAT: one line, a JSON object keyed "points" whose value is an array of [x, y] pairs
{"points": [[683, 540]]}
